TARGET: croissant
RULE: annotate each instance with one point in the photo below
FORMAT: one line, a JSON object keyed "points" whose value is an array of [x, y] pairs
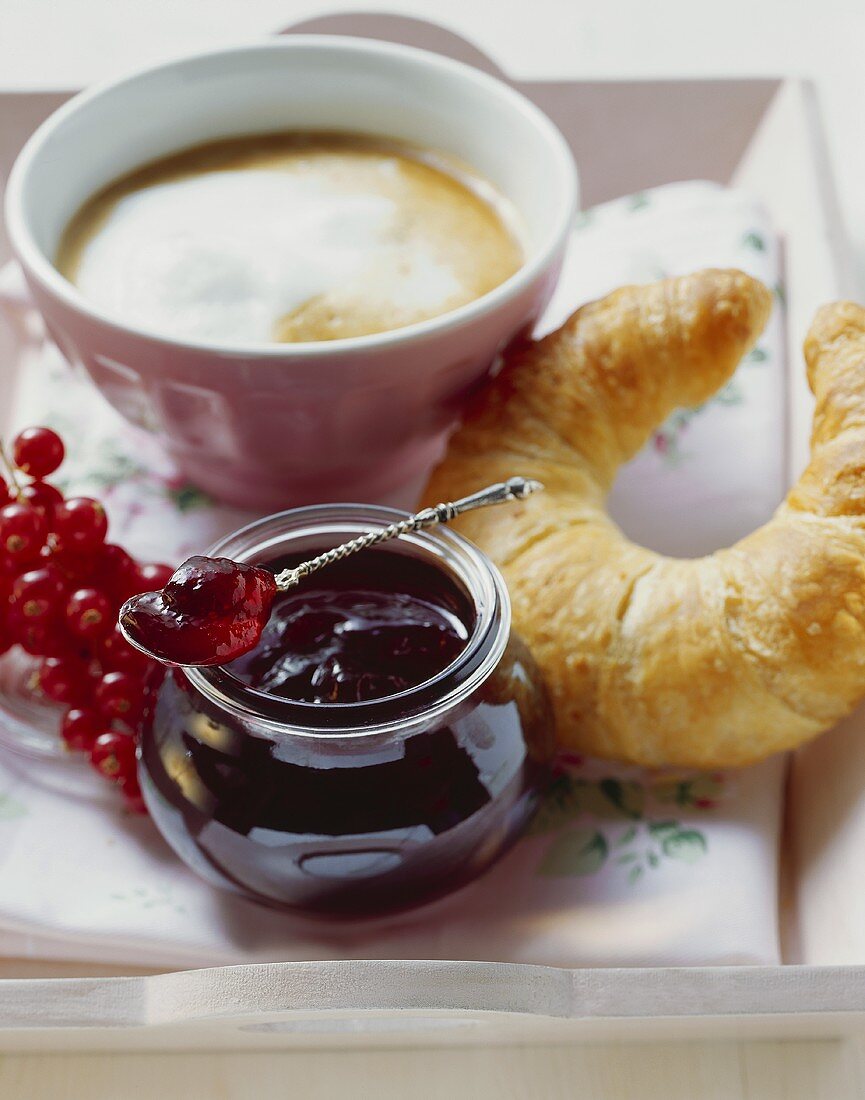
{"points": [[718, 661]]}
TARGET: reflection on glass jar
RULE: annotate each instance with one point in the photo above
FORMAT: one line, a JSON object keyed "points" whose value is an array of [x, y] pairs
{"points": [[362, 806]]}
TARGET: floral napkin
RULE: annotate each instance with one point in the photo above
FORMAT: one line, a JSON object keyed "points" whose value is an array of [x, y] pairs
{"points": [[619, 868]]}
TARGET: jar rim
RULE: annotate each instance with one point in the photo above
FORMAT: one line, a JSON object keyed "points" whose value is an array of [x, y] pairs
{"points": [[403, 711]]}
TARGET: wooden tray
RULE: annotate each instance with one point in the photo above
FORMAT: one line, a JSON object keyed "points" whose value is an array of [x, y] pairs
{"points": [[765, 135]]}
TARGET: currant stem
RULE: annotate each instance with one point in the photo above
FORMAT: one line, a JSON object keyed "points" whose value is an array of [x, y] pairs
{"points": [[10, 468]]}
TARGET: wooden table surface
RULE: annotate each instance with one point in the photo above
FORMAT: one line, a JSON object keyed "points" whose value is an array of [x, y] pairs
{"points": [[820, 1070]]}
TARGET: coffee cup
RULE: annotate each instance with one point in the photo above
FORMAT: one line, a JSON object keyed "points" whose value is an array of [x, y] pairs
{"points": [[267, 425]]}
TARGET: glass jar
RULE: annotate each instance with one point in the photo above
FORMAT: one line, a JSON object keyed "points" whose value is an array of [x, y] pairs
{"points": [[353, 808]]}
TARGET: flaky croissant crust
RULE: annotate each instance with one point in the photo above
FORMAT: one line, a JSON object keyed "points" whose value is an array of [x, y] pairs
{"points": [[717, 661]]}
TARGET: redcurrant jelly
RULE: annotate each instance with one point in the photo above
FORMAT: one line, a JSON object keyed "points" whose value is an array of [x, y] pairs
{"points": [[210, 611], [385, 741]]}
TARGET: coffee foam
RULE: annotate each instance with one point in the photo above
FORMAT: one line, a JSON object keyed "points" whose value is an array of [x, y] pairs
{"points": [[301, 245]]}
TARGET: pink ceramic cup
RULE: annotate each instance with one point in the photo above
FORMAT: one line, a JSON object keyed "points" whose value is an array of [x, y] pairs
{"points": [[270, 426]]}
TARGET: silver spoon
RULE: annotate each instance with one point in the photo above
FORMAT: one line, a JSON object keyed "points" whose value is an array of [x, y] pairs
{"points": [[515, 488]]}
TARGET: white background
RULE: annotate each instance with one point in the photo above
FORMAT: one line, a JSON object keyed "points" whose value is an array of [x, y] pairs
{"points": [[64, 44]]}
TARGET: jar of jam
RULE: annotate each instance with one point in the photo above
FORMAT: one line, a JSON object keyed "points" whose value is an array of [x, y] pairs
{"points": [[384, 743]]}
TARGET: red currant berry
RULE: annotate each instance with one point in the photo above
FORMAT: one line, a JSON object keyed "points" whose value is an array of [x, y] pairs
{"points": [[117, 655], [5, 495], [6, 640], [79, 524], [38, 594], [80, 570], [39, 638], [132, 796], [41, 497], [7, 579], [22, 531], [65, 680], [89, 614], [153, 577], [80, 728], [119, 695], [118, 571], [37, 451], [113, 755]]}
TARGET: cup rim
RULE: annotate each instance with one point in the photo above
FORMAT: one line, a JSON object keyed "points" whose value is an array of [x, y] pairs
{"points": [[38, 267]]}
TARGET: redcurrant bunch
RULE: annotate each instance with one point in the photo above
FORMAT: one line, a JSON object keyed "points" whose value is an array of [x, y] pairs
{"points": [[61, 587]]}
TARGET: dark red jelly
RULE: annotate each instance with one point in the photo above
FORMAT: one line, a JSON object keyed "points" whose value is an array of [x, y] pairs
{"points": [[385, 741], [356, 631], [211, 611]]}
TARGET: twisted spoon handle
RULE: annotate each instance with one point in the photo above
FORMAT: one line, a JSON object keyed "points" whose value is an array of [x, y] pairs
{"points": [[515, 488]]}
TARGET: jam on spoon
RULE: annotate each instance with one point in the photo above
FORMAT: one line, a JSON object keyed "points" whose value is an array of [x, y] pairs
{"points": [[214, 610], [211, 611]]}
